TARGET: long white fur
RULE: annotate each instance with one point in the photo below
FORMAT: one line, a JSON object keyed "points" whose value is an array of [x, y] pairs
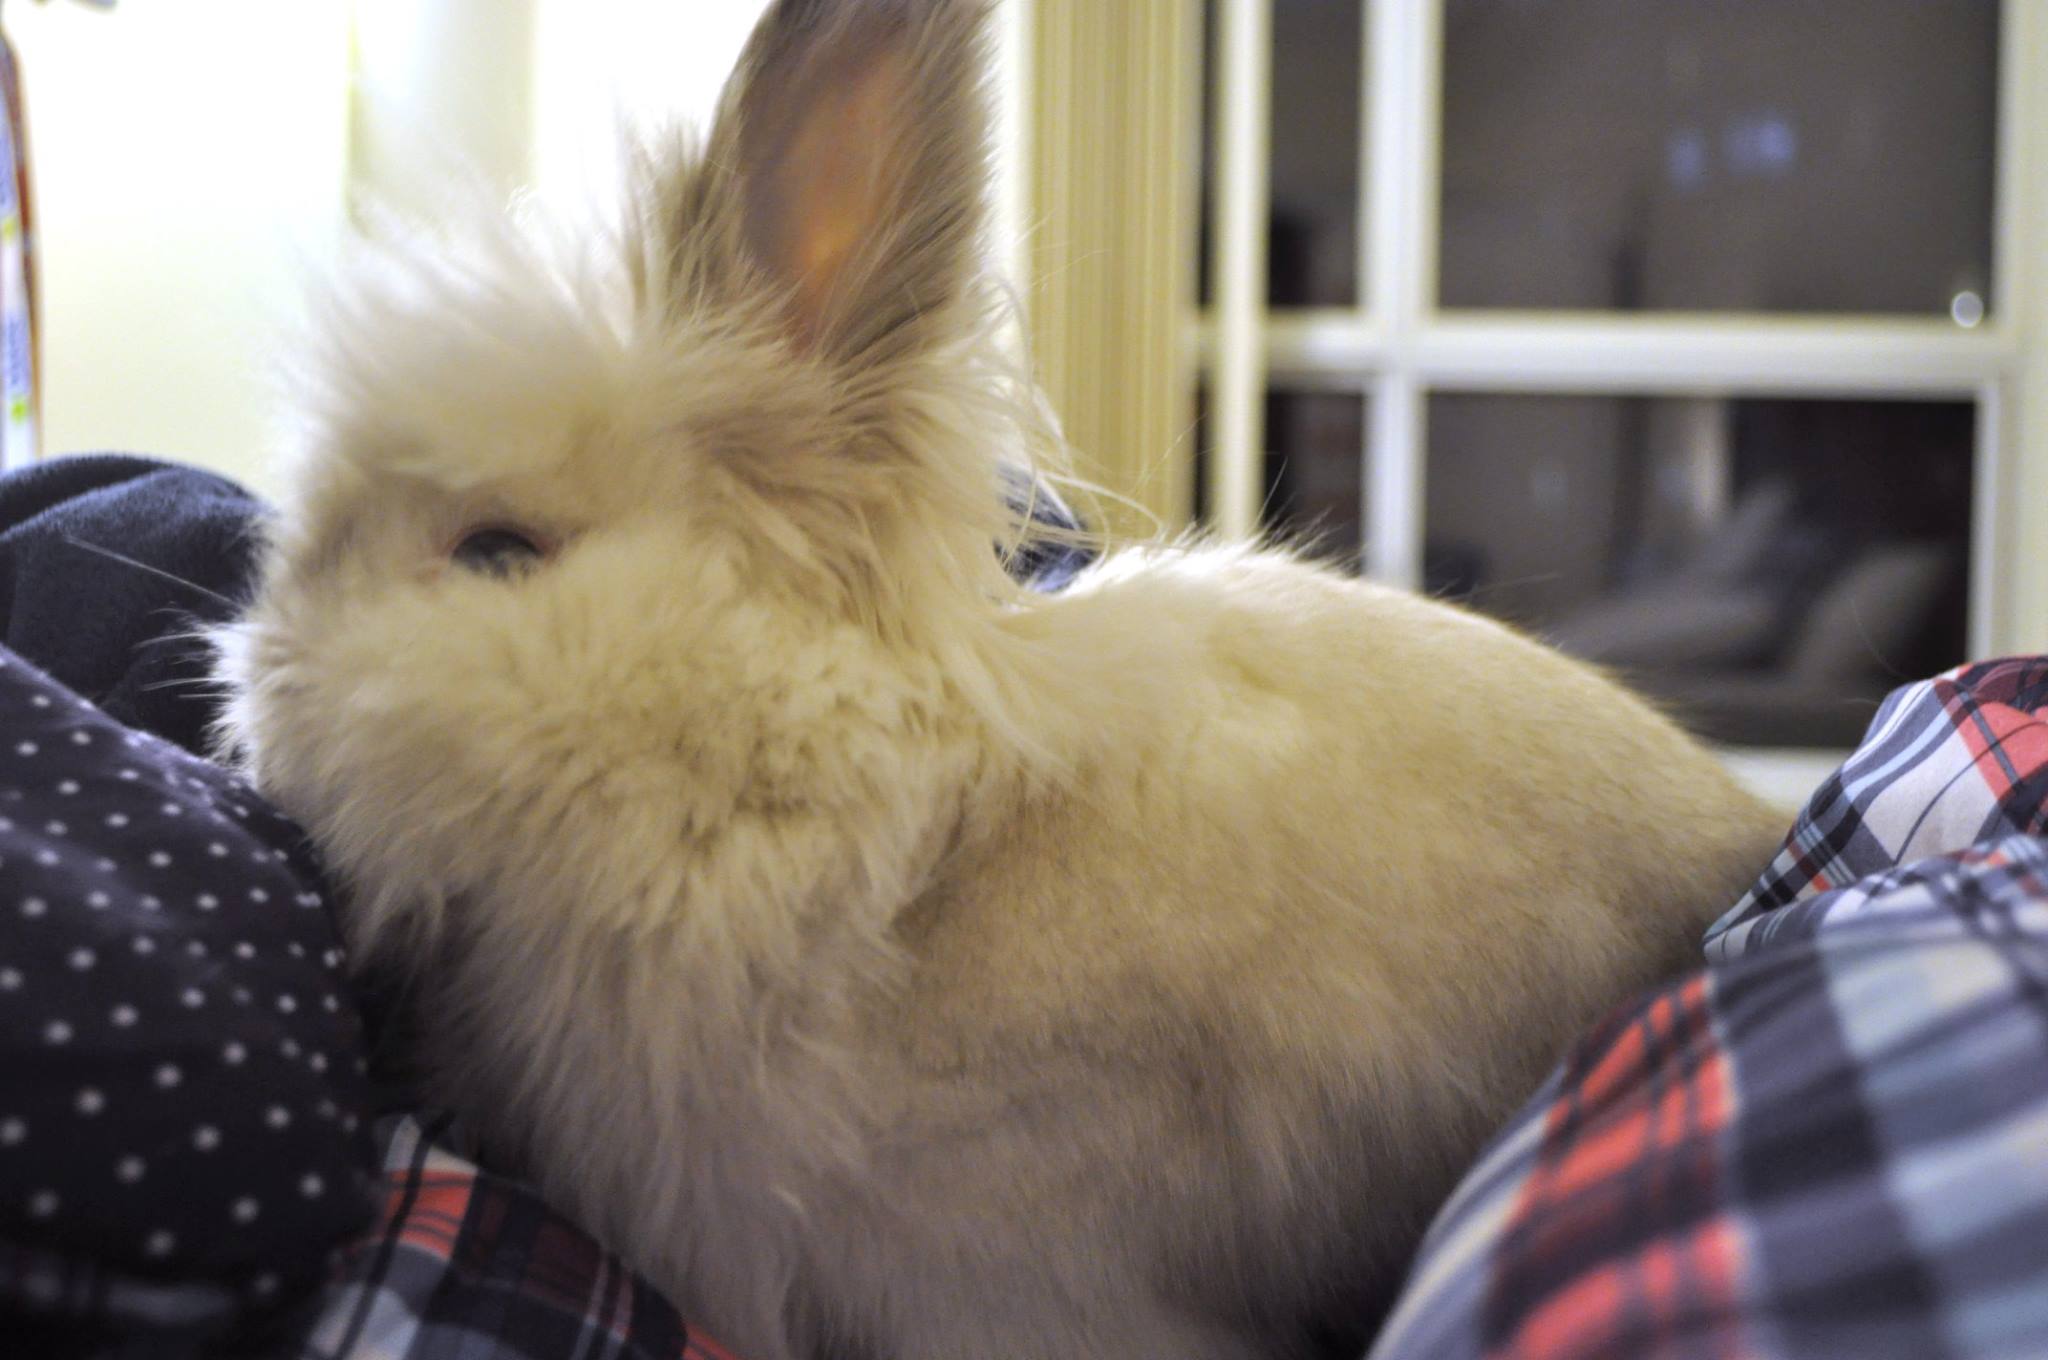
{"points": [[889, 960]]}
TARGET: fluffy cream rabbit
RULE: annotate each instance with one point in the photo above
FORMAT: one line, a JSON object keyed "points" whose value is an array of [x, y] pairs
{"points": [[889, 960]]}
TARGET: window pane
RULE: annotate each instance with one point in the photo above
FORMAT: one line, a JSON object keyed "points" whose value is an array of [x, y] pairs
{"points": [[1768, 567], [1312, 229], [1756, 155], [1313, 487]]}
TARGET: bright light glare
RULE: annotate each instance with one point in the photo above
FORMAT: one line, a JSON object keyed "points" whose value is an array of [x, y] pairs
{"points": [[189, 166], [605, 66], [1967, 309]]}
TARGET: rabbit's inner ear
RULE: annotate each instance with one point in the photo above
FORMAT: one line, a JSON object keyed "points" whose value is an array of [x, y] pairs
{"points": [[820, 184], [860, 165]]}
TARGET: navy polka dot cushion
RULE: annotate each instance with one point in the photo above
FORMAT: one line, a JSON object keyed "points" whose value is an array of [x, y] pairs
{"points": [[181, 1070]]}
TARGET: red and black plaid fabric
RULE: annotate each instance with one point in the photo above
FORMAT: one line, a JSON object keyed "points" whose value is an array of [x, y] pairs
{"points": [[469, 1264], [1833, 1141]]}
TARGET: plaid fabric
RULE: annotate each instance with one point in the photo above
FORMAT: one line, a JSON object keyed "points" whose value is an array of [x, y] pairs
{"points": [[1956, 761], [469, 1264], [1833, 1142]]}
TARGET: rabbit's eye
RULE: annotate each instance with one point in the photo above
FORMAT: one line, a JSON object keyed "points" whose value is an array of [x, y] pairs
{"points": [[496, 551]]}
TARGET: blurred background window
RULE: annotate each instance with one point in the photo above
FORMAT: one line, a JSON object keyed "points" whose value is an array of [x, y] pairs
{"points": [[1314, 148], [1731, 155], [1311, 481], [1705, 340], [1767, 567]]}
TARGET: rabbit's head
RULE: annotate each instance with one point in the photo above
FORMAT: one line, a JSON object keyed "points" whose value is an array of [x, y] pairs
{"points": [[618, 573]]}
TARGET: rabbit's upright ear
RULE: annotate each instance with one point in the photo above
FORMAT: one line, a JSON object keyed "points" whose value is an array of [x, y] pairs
{"points": [[858, 137]]}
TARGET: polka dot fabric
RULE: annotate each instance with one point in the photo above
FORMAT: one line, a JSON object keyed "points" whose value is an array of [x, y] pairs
{"points": [[182, 1089]]}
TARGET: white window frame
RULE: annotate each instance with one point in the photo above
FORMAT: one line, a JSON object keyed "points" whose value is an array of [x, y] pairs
{"points": [[1398, 346]]}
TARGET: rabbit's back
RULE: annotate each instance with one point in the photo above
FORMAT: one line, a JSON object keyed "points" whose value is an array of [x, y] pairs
{"points": [[1332, 880]]}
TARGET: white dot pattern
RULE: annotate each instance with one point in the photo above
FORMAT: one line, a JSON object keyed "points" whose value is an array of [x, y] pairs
{"points": [[190, 1089]]}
